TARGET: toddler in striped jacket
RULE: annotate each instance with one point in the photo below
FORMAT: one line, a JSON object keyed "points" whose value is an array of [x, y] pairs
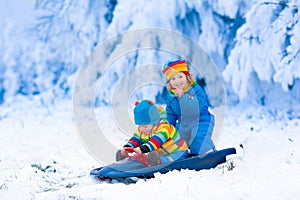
{"points": [[154, 137]]}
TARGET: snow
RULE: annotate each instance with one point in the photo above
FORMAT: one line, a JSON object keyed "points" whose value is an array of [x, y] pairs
{"points": [[271, 61], [244, 39], [42, 157], [44, 45]]}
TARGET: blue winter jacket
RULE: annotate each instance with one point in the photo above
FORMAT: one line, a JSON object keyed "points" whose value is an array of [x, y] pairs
{"points": [[190, 115]]}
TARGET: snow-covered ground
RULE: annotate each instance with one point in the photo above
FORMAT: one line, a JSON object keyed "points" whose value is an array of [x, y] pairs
{"points": [[42, 157], [43, 45]]}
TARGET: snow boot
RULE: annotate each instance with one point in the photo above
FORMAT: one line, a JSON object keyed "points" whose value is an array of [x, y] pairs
{"points": [[153, 158], [119, 156]]}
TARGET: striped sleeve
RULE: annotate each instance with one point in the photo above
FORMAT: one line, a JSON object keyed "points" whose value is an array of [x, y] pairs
{"points": [[134, 141], [159, 138]]}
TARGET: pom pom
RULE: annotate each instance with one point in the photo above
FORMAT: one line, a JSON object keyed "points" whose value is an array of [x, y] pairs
{"points": [[150, 102]]}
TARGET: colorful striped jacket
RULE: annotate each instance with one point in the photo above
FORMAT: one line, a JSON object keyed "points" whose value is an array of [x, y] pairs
{"points": [[164, 138]]}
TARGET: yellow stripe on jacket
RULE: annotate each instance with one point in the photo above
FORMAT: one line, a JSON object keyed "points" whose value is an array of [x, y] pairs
{"points": [[164, 138]]}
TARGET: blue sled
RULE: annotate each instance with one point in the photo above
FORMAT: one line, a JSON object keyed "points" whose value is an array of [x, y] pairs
{"points": [[132, 168]]}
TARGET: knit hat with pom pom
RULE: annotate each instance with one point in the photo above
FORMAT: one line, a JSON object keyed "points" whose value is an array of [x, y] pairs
{"points": [[145, 112]]}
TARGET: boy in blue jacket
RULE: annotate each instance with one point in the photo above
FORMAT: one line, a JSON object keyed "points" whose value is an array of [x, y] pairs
{"points": [[187, 108]]}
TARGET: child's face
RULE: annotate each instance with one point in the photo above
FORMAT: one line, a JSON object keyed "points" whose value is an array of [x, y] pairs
{"points": [[178, 80], [146, 128]]}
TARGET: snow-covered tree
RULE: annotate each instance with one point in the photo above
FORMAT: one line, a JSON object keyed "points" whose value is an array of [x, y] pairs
{"points": [[255, 44], [266, 53]]}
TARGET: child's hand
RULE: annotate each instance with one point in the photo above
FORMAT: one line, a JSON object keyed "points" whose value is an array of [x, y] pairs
{"points": [[137, 150], [123, 152], [179, 91]]}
